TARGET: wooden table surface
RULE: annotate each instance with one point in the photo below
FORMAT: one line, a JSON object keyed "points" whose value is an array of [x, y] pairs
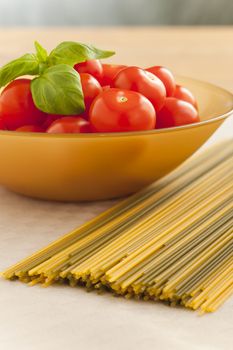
{"points": [[201, 52], [59, 318]]}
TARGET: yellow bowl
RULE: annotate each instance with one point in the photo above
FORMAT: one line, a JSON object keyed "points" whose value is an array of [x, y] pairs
{"points": [[86, 167]]}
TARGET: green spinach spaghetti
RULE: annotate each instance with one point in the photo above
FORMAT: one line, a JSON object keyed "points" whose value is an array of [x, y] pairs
{"points": [[173, 241]]}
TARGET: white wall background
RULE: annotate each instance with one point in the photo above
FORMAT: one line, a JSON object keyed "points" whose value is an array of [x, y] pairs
{"points": [[115, 12]]}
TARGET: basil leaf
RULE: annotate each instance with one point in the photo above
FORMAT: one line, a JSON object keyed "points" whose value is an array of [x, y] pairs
{"points": [[70, 52], [58, 91], [25, 65], [40, 52]]}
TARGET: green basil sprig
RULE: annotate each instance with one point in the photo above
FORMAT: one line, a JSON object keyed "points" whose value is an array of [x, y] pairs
{"points": [[56, 88], [26, 65], [41, 52], [70, 52]]}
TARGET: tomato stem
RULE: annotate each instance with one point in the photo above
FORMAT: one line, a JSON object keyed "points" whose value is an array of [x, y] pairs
{"points": [[122, 99]]}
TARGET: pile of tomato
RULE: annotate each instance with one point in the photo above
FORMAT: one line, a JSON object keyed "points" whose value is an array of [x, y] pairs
{"points": [[117, 98]]}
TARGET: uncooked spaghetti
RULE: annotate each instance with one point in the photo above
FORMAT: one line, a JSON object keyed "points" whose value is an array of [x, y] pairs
{"points": [[172, 241]]}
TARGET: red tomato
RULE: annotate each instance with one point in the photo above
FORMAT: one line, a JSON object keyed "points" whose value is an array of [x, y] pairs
{"points": [[2, 125], [30, 128], [50, 118], [121, 110], [93, 67], [69, 125], [91, 88], [182, 93], [17, 107], [137, 79], [166, 76], [176, 113], [106, 87], [109, 72]]}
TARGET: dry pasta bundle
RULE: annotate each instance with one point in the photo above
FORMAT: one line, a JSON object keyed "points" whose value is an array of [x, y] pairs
{"points": [[172, 241]]}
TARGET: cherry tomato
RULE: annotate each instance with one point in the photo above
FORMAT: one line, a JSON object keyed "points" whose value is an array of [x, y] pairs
{"points": [[166, 76], [30, 128], [69, 125], [176, 113], [121, 110], [106, 87], [137, 79], [49, 119], [93, 67], [17, 107], [2, 125], [182, 93], [91, 88], [109, 72]]}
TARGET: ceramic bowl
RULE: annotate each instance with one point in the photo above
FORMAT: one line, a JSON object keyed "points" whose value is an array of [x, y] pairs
{"points": [[87, 167]]}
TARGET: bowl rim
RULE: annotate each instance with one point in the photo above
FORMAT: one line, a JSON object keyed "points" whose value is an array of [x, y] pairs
{"points": [[130, 133]]}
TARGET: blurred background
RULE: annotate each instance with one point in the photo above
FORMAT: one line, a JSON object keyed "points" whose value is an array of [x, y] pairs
{"points": [[115, 12]]}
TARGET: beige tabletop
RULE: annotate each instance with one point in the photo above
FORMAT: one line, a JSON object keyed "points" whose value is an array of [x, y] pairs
{"points": [[62, 317]]}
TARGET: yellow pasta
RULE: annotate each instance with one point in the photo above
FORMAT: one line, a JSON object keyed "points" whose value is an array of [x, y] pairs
{"points": [[172, 241]]}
